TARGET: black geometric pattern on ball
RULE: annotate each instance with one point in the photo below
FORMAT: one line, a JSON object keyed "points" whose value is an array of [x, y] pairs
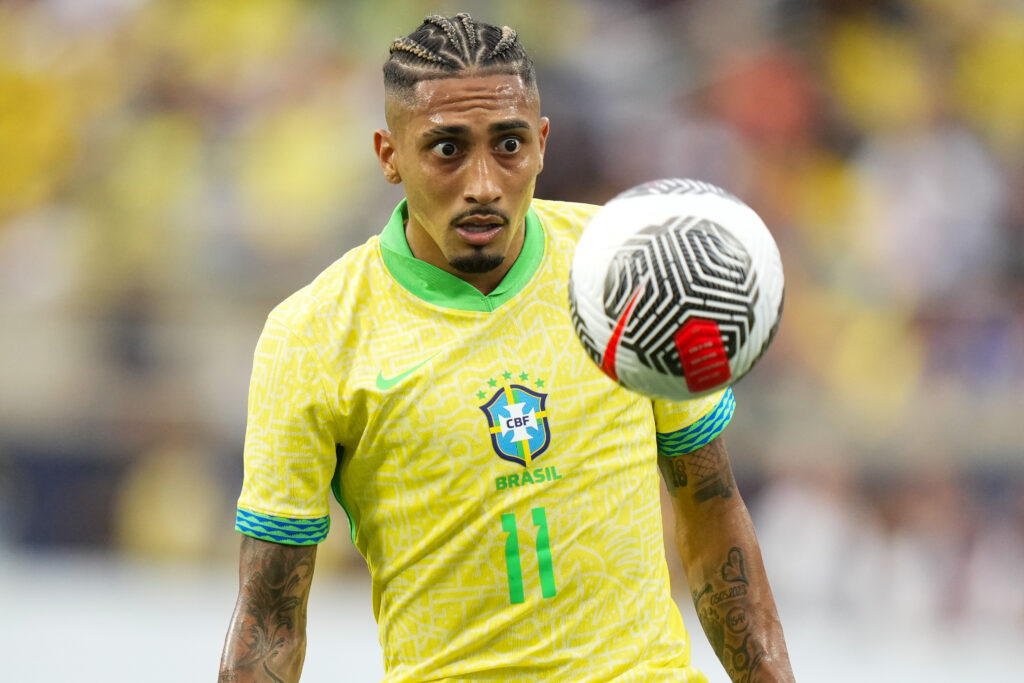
{"points": [[687, 267], [674, 186]]}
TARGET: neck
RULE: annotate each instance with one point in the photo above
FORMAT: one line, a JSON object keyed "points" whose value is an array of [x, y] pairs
{"points": [[425, 249]]}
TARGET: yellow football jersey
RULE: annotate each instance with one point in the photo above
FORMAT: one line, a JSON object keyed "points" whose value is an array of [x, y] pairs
{"points": [[503, 491]]}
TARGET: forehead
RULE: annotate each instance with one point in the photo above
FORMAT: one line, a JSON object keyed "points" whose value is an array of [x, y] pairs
{"points": [[442, 100]]}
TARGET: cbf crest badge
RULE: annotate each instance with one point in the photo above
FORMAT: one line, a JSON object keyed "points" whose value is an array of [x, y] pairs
{"points": [[518, 421]]}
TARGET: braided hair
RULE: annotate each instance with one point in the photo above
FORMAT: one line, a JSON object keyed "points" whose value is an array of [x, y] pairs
{"points": [[445, 47]]}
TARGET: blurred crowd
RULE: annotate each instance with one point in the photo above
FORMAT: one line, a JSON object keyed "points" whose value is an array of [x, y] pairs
{"points": [[171, 169]]}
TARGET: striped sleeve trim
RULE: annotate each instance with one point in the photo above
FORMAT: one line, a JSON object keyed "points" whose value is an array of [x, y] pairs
{"points": [[282, 529], [701, 432]]}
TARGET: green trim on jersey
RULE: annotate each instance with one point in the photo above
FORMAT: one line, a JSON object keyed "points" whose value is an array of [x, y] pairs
{"points": [[700, 433], [336, 490], [287, 530], [439, 287]]}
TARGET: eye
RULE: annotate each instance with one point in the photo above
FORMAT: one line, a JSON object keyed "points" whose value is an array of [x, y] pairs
{"points": [[446, 149], [510, 145]]}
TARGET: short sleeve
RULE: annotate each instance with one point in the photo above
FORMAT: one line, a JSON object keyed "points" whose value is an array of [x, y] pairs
{"points": [[683, 427], [290, 454]]}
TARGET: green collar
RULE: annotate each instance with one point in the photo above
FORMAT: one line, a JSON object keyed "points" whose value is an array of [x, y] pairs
{"points": [[439, 287]]}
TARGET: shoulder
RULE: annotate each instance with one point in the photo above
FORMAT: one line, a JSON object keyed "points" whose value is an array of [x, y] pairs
{"points": [[332, 291], [564, 219]]}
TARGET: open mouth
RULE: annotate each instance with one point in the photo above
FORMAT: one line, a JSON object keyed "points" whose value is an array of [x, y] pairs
{"points": [[479, 230]]}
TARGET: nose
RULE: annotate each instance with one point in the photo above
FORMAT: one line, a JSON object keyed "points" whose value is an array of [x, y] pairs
{"points": [[481, 181]]}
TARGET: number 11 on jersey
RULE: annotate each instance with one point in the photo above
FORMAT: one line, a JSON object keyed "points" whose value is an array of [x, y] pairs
{"points": [[512, 564]]}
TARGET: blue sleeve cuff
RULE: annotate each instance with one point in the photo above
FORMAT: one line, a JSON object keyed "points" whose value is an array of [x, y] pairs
{"points": [[282, 529], [701, 432]]}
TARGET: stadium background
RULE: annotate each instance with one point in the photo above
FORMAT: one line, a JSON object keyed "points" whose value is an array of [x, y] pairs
{"points": [[170, 169]]}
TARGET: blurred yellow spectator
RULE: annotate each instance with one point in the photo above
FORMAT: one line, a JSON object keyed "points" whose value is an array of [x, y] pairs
{"points": [[37, 140], [55, 83], [876, 367], [869, 359], [989, 85], [879, 74], [220, 44], [298, 167], [141, 204], [823, 198]]}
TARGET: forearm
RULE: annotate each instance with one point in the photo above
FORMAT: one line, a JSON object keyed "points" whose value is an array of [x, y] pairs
{"points": [[266, 641], [250, 657], [734, 601], [719, 551]]}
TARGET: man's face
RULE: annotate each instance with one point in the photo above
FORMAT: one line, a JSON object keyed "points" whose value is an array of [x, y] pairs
{"points": [[468, 151]]}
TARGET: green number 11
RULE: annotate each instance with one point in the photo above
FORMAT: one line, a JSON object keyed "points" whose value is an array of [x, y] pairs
{"points": [[512, 564]]}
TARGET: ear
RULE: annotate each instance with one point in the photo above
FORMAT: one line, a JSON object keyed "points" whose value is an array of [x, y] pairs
{"points": [[542, 139], [385, 149]]}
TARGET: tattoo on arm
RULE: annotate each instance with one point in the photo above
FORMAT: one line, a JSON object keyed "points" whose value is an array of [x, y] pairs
{"points": [[267, 632], [707, 467], [673, 471], [723, 612]]}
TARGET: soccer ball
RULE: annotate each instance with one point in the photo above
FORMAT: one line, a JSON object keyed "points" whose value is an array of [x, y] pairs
{"points": [[676, 288]]}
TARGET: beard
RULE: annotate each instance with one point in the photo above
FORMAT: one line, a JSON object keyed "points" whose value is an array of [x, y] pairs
{"points": [[477, 263]]}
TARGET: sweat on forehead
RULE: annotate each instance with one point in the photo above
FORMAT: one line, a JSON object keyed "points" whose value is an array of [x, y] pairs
{"points": [[430, 94]]}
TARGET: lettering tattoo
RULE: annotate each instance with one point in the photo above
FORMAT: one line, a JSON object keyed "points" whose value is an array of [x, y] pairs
{"points": [[736, 620], [271, 603], [707, 468], [673, 471], [727, 619]]}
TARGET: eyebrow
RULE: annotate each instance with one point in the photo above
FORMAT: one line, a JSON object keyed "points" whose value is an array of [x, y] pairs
{"points": [[503, 126], [458, 131]]}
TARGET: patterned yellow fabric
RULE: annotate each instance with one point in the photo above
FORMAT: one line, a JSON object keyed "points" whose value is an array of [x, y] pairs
{"points": [[503, 491]]}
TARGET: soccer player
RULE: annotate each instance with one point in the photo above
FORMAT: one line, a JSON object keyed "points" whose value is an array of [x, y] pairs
{"points": [[503, 491]]}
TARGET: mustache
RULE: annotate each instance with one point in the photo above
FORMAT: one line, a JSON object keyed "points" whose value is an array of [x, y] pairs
{"points": [[481, 212]]}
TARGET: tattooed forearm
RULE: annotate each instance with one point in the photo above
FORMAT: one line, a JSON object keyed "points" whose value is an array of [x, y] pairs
{"points": [[266, 641], [724, 609], [718, 547], [705, 471]]}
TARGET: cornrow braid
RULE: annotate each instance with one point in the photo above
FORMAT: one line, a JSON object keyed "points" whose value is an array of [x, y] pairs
{"points": [[443, 47], [508, 40], [469, 28], [403, 44], [454, 39]]}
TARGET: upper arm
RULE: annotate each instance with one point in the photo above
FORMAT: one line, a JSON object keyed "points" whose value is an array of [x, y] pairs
{"points": [[702, 492], [710, 515], [691, 452], [290, 452], [698, 476]]}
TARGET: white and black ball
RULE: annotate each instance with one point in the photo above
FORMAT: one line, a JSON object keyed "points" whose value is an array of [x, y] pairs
{"points": [[676, 288]]}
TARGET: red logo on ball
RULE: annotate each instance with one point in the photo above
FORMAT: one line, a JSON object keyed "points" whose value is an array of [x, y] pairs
{"points": [[702, 353]]}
